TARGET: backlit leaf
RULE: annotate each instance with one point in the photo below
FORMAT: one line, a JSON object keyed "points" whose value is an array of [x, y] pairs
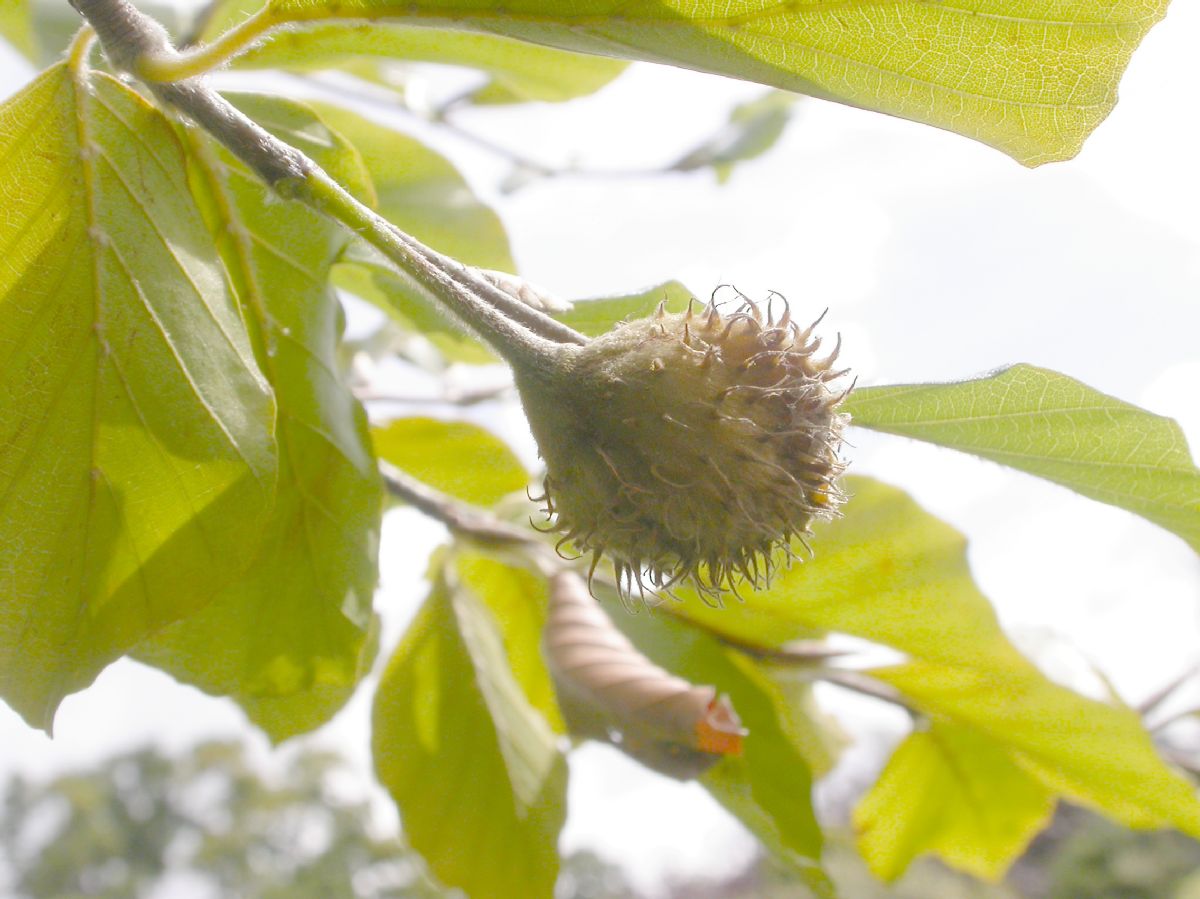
{"points": [[423, 194], [16, 25], [949, 791], [596, 316], [516, 601], [456, 457], [519, 72], [472, 766], [753, 128], [1051, 426], [893, 574], [884, 553], [137, 460], [289, 641], [1030, 77], [1096, 754]]}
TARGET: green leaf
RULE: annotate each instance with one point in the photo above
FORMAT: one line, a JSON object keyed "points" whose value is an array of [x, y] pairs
{"points": [[769, 787], [288, 715], [424, 195], [517, 602], [1096, 754], [16, 25], [596, 316], [289, 641], [1051, 426], [893, 574], [1030, 77], [885, 552], [753, 129], [456, 457], [314, 129], [471, 764], [136, 454], [519, 72], [952, 792]]}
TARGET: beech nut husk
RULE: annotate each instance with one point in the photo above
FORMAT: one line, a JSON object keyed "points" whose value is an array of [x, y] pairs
{"points": [[690, 447]]}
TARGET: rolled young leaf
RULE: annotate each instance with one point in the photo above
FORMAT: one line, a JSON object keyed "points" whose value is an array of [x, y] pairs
{"points": [[609, 691]]}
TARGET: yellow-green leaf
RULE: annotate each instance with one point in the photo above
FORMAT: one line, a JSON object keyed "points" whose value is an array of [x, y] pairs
{"points": [[1030, 77], [456, 457], [289, 640], [893, 574], [884, 553], [137, 461], [1054, 427], [16, 25], [952, 792], [422, 193], [595, 316], [472, 766], [1097, 754], [753, 128], [519, 72], [517, 602]]}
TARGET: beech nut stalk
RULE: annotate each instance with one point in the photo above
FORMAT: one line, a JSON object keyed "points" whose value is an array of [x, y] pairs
{"points": [[690, 447]]}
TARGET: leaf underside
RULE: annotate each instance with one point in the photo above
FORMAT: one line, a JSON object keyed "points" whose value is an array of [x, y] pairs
{"points": [[1032, 77], [290, 640], [1052, 426], [137, 457], [472, 766], [518, 72], [949, 791], [891, 573]]}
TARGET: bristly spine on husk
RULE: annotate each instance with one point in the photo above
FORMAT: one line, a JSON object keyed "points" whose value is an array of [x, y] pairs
{"points": [[691, 447]]}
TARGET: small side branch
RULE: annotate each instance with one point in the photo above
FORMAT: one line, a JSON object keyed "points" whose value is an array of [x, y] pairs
{"points": [[866, 685], [458, 517], [449, 398], [522, 335]]}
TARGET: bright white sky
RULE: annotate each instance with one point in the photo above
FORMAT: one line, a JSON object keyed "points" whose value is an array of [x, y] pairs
{"points": [[939, 258]]}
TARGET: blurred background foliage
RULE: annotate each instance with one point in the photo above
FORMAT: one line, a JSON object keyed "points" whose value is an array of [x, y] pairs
{"points": [[207, 822]]}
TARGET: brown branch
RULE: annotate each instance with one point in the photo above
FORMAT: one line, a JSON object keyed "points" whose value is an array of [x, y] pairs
{"points": [[459, 517], [519, 333], [449, 398]]}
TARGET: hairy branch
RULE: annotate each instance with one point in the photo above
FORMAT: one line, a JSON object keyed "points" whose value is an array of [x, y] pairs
{"points": [[459, 517], [522, 335], [858, 682], [449, 398]]}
